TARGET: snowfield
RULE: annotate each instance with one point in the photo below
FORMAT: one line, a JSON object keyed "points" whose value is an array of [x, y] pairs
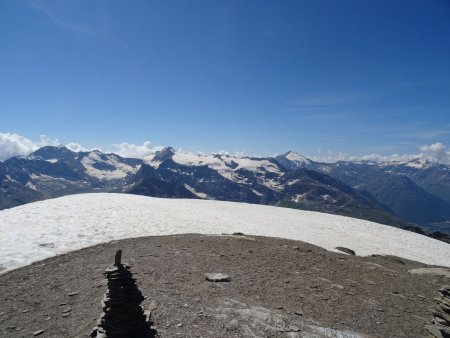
{"points": [[43, 229]]}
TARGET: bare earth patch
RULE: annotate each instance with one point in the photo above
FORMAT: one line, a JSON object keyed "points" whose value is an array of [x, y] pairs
{"points": [[277, 288]]}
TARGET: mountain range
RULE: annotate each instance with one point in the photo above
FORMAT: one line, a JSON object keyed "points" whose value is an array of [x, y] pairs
{"points": [[413, 194]]}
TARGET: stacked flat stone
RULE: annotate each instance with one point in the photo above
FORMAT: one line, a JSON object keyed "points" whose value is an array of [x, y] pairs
{"points": [[122, 316], [441, 319]]}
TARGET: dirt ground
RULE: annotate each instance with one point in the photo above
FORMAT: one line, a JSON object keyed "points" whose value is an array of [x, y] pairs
{"points": [[278, 288]]}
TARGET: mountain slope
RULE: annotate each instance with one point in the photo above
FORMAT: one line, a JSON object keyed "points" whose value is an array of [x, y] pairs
{"points": [[407, 188], [261, 181]]}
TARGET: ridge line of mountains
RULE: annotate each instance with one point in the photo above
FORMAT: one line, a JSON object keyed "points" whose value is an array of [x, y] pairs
{"points": [[414, 195]]}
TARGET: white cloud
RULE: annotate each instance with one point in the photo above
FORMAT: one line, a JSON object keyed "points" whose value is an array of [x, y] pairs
{"points": [[76, 147], [436, 152], [126, 149], [13, 145]]}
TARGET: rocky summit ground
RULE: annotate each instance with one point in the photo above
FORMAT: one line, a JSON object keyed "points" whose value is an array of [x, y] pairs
{"points": [[278, 288]]}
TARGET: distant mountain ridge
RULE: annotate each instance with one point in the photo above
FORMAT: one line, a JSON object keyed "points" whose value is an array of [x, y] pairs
{"points": [[395, 193]]}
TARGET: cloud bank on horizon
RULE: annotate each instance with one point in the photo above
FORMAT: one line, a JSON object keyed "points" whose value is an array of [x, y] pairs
{"points": [[12, 144]]}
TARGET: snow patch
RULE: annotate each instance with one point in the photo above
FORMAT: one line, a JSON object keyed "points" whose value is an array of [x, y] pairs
{"points": [[77, 221], [198, 194], [121, 170], [30, 185]]}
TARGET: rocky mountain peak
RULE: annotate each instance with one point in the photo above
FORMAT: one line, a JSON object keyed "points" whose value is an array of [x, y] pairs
{"points": [[52, 152], [164, 155]]}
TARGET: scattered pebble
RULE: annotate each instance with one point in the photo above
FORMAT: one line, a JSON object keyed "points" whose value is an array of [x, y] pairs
{"points": [[294, 328], [217, 277], [38, 332]]}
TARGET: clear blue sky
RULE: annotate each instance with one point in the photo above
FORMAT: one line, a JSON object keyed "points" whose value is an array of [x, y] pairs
{"points": [[259, 76]]}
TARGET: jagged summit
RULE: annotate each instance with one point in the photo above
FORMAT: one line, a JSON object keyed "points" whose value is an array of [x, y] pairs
{"points": [[164, 155]]}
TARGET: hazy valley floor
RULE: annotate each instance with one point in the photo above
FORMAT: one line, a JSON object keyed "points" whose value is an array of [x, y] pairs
{"points": [[277, 288]]}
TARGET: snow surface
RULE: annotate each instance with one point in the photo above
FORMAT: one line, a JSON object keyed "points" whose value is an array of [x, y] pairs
{"points": [[43, 229], [296, 157]]}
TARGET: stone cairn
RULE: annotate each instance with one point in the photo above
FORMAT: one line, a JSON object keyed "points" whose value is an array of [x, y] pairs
{"points": [[441, 315], [122, 316]]}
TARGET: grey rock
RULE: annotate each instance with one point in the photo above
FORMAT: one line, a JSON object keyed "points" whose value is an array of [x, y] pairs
{"points": [[346, 250], [217, 277], [232, 325], [294, 328], [434, 330], [38, 332], [431, 271]]}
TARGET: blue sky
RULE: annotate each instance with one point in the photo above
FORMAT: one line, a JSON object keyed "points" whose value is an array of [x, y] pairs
{"points": [[261, 77]]}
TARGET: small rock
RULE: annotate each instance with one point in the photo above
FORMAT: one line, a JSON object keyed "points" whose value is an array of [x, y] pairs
{"points": [[232, 325], [67, 310], [25, 311], [298, 313], [180, 325], [294, 328], [38, 332], [346, 250], [71, 294], [217, 277]]}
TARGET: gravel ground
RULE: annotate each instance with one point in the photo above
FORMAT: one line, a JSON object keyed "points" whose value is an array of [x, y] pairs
{"points": [[278, 288]]}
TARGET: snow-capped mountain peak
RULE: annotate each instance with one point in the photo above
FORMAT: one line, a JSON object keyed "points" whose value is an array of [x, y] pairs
{"points": [[296, 157], [420, 163], [292, 160]]}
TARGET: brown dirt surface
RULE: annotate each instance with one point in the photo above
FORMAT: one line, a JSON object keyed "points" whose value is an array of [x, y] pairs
{"points": [[278, 288]]}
